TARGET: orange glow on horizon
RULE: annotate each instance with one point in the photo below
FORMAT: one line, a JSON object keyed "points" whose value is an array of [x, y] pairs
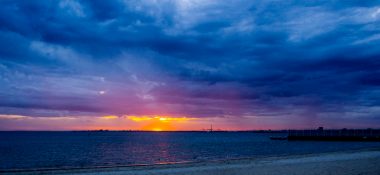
{"points": [[139, 119], [159, 123], [121, 122], [157, 129]]}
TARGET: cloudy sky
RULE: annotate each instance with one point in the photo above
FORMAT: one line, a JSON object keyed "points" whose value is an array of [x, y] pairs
{"points": [[237, 64]]}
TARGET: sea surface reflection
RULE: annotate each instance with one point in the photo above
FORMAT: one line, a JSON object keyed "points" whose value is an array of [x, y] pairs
{"points": [[25, 150]]}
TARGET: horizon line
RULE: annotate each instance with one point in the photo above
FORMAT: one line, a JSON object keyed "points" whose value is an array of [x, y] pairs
{"points": [[217, 130]]}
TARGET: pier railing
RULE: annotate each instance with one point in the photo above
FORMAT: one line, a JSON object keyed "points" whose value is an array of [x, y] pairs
{"points": [[336, 133], [343, 134]]}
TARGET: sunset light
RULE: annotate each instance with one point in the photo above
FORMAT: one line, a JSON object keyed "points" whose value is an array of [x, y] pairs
{"points": [[110, 117], [102, 86], [157, 129], [160, 118], [159, 123]]}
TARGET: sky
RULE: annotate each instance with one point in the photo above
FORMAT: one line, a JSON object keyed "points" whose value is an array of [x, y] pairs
{"points": [[187, 64]]}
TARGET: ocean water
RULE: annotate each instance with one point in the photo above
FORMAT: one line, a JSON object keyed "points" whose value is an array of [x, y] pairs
{"points": [[31, 150]]}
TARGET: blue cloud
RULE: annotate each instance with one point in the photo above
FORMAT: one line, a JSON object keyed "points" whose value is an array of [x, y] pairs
{"points": [[273, 58]]}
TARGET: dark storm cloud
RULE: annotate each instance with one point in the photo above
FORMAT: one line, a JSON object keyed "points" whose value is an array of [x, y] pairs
{"points": [[313, 60]]}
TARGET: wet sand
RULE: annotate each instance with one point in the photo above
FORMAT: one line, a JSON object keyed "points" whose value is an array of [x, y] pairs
{"points": [[365, 162]]}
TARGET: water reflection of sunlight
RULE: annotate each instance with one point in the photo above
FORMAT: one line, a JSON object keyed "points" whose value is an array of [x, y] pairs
{"points": [[163, 150]]}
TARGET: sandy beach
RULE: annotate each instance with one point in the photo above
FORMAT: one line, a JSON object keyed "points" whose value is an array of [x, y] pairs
{"points": [[340, 163]]}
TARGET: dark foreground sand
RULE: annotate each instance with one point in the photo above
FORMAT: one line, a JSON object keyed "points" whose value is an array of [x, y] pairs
{"points": [[347, 163]]}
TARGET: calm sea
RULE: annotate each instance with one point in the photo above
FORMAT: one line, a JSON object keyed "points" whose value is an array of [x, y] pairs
{"points": [[29, 150]]}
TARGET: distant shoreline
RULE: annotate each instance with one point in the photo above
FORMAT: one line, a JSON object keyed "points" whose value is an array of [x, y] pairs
{"points": [[359, 157], [255, 131], [216, 130]]}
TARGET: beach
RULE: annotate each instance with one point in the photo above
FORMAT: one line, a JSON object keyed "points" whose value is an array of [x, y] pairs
{"points": [[364, 162]]}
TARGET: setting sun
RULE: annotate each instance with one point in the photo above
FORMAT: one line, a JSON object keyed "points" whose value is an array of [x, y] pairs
{"points": [[159, 123], [157, 129]]}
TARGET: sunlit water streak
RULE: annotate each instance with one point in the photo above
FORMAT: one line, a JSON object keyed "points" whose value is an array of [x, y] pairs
{"points": [[26, 150]]}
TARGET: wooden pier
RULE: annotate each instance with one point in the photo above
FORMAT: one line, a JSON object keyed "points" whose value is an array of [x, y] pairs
{"points": [[333, 135]]}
